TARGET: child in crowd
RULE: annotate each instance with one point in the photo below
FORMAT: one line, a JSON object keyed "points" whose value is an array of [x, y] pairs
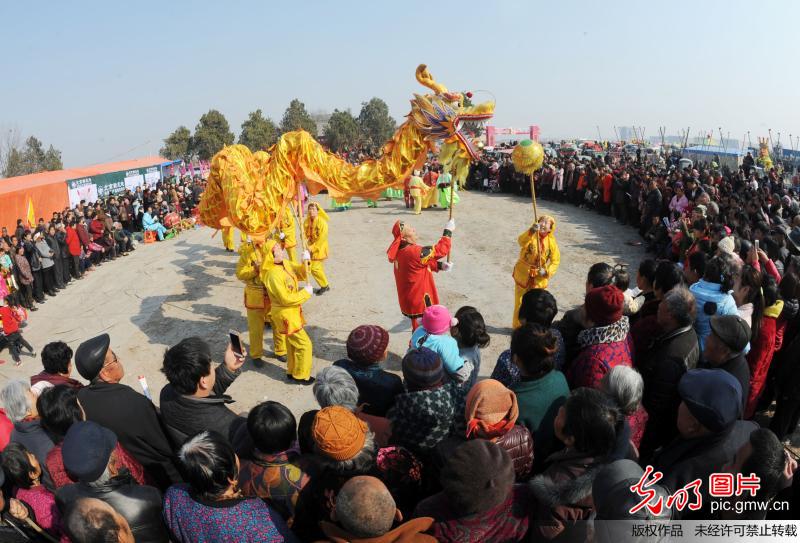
{"points": [[622, 280], [470, 334], [367, 347], [436, 322], [11, 321]]}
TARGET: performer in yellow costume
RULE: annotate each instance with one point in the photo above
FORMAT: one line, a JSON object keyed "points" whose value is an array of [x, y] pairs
{"points": [[538, 261], [227, 238], [287, 236], [256, 301], [418, 189], [280, 276], [316, 231]]}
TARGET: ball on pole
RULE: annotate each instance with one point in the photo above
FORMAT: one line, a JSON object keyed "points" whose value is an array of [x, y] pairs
{"points": [[527, 156]]}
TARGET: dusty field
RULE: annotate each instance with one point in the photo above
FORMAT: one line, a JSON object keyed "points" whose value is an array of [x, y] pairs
{"points": [[167, 291]]}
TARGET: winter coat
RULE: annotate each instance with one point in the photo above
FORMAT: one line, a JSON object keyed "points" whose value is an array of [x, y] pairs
{"points": [[135, 420], [684, 460], [603, 348], [505, 523], [562, 497], [30, 434], [709, 301], [192, 519], [538, 401], [45, 253], [738, 367], [662, 367], [73, 242], [377, 388], [24, 269], [185, 416], [518, 443], [760, 356], [139, 505], [423, 418]]}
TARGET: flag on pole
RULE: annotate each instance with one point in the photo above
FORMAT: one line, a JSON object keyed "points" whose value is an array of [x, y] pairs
{"points": [[31, 215]]}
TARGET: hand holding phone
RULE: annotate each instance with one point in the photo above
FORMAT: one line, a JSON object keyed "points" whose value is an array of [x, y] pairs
{"points": [[235, 354]]}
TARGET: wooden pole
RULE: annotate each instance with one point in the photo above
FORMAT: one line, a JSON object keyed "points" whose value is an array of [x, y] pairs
{"points": [[306, 263], [452, 189], [536, 221]]}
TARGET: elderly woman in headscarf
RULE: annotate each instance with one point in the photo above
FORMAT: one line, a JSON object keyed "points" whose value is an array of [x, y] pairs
{"points": [[491, 413]]}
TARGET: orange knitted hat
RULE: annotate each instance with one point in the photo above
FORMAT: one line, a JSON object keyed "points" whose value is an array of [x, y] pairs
{"points": [[338, 433]]}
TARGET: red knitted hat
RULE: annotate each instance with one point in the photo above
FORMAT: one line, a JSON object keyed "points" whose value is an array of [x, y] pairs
{"points": [[604, 305], [366, 344]]}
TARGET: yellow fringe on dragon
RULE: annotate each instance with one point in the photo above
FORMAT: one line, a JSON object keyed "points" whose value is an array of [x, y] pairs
{"points": [[250, 191]]}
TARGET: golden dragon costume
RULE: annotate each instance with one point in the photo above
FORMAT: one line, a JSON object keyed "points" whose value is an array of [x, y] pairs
{"points": [[250, 191]]}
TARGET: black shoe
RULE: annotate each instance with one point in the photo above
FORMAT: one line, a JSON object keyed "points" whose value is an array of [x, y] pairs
{"points": [[281, 357], [309, 381], [323, 290], [257, 362]]}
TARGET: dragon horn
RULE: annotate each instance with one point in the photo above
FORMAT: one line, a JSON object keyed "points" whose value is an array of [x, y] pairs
{"points": [[426, 79]]}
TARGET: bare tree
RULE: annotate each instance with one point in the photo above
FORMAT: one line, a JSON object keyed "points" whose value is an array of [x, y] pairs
{"points": [[10, 144]]}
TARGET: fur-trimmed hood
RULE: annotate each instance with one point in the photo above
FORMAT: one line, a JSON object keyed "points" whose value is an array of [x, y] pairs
{"points": [[568, 481]]}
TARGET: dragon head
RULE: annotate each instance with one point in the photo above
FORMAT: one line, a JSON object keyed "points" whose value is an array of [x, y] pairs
{"points": [[443, 117]]}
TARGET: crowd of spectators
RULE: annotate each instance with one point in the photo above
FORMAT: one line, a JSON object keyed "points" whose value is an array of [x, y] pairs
{"points": [[548, 448], [37, 261], [692, 371]]}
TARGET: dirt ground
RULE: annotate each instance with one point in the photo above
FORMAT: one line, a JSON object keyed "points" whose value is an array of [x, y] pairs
{"points": [[166, 291]]}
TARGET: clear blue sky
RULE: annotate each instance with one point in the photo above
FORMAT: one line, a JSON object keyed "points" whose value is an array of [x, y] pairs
{"points": [[97, 79]]}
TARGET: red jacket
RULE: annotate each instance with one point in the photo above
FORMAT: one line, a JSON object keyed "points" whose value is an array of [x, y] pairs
{"points": [[10, 322], [760, 357], [96, 228], [413, 275], [73, 242], [608, 181]]}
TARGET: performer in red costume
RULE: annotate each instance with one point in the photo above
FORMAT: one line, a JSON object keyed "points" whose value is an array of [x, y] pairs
{"points": [[414, 266]]}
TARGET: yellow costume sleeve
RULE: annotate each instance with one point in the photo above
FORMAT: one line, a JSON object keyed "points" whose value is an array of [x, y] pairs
{"points": [[245, 268], [318, 243], [279, 293], [555, 256]]}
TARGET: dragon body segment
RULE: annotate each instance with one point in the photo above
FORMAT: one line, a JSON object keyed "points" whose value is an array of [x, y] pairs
{"points": [[250, 191]]}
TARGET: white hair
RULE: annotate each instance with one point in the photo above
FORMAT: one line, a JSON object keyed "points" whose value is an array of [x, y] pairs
{"points": [[15, 400], [334, 386], [625, 386]]}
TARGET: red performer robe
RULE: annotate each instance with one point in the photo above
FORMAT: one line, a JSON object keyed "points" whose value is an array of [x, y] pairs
{"points": [[413, 274]]}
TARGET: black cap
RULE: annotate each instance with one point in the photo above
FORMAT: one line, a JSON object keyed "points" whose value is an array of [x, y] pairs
{"points": [[713, 397], [90, 356], [732, 330], [86, 449]]}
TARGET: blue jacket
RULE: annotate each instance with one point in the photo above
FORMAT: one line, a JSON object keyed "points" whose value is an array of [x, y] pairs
{"points": [[706, 294], [445, 346]]}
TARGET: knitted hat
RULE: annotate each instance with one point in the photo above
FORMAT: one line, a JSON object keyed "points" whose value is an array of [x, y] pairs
{"points": [[366, 344], [338, 433], [436, 319], [604, 305], [477, 476], [491, 410], [422, 369], [726, 245], [713, 397]]}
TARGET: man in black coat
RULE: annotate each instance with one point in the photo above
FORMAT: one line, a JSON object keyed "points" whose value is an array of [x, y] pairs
{"points": [[671, 355], [709, 434], [652, 205], [194, 399], [88, 453], [130, 415], [724, 349]]}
